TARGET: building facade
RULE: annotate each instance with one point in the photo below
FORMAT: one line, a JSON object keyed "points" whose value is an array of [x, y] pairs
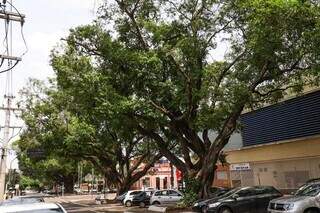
{"points": [[281, 145], [162, 176]]}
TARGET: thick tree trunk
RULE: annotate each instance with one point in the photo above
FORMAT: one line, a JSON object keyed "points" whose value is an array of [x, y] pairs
{"points": [[207, 173], [122, 188], [68, 184]]}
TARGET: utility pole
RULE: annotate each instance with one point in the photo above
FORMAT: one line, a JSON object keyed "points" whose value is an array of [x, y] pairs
{"points": [[9, 16], [4, 150]]}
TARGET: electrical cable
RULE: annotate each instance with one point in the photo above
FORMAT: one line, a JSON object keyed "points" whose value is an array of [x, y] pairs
{"points": [[24, 41], [10, 68], [22, 24], [6, 35], [6, 38]]}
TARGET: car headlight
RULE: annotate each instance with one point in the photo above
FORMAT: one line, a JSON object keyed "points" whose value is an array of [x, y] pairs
{"points": [[288, 206], [214, 205], [196, 204]]}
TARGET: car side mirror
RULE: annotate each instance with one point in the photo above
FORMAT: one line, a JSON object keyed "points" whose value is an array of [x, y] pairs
{"points": [[235, 196]]}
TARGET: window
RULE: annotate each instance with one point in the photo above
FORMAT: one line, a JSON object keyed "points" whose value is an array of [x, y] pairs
{"points": [[173, 193], [161, 193], [312, 190], [146, 182], [246, 192], [266, 190], [165, 183], [135, 192], [157, 183]]}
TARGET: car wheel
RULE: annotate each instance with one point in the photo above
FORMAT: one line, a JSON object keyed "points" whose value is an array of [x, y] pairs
{"points": [[156, 203], [142, 204], [204, 209], [225, 210], [128, 203]]}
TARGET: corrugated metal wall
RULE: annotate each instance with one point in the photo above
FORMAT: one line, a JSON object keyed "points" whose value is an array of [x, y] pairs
{"points": [[294, 118]]}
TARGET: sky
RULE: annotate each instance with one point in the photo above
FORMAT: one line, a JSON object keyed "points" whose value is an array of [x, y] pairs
{"points": [[47, 21]]}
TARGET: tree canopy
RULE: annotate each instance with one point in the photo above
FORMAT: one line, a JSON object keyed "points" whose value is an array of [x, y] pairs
{"points": [[148, 68], [57, 138]]}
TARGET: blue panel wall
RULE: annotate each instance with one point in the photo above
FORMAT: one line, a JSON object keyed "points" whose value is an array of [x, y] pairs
{"points": [[294, 118]]}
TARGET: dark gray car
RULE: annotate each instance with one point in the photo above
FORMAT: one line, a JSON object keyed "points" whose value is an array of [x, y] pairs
{"points": [[253, 199]]}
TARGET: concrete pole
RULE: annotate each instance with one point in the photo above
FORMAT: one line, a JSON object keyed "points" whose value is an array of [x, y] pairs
{"points": [[3, 163]]}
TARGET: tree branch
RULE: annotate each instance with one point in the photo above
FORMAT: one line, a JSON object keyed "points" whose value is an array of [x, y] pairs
{"points": [[163, 147], [131, 15]]}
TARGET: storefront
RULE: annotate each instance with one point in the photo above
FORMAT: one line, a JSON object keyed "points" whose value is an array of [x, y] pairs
{"points": [[280, 145], [285, 165]]}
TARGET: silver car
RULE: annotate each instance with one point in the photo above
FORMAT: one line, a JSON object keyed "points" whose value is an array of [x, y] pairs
{"points": [[306, 200], [33, 208], [161, 197]]}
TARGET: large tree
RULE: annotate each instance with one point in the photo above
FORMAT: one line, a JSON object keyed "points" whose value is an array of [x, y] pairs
{"points": [[152, 63], [65, 134]]}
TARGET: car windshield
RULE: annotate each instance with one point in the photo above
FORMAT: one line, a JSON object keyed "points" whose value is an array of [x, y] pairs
{"points": [[124, 194], [231, 192], [311, 190], [135, 192]]}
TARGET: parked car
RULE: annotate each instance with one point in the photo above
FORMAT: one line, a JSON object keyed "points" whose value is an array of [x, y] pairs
{"points": [[214, 193], [148, 189], [217, 191], [127, 201], [121, 197], [142, 199], [22, 200], [238, 200], [33, 208], [314, 180], [165, 197], [305, 200]]}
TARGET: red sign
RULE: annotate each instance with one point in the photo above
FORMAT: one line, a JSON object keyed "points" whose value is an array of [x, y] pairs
{"points": [[179, 175]]}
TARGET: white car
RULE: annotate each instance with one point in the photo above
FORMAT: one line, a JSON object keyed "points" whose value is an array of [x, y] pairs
{"points": [[129, 196], [33, 208], [169, 196]]}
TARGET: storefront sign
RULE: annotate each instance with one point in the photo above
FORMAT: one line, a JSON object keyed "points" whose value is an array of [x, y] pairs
{"points": [[240, 167]]}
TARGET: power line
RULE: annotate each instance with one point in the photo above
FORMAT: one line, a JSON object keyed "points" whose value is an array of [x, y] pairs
{"points": [[9, 17]]}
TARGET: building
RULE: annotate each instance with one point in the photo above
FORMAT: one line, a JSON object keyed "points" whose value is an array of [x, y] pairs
{"points": [[281, 145], [162, 176]]}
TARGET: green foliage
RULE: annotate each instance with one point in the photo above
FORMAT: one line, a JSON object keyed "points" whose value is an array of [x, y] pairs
{"points": [[190, 195], [29, 183], [153, 74], [66, 131]]}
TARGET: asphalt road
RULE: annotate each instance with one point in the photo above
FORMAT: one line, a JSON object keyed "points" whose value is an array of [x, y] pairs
{"points": [[89, 208]]}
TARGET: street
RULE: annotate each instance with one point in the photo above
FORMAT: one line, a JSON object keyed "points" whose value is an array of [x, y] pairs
{"points": [[86, 204]]}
